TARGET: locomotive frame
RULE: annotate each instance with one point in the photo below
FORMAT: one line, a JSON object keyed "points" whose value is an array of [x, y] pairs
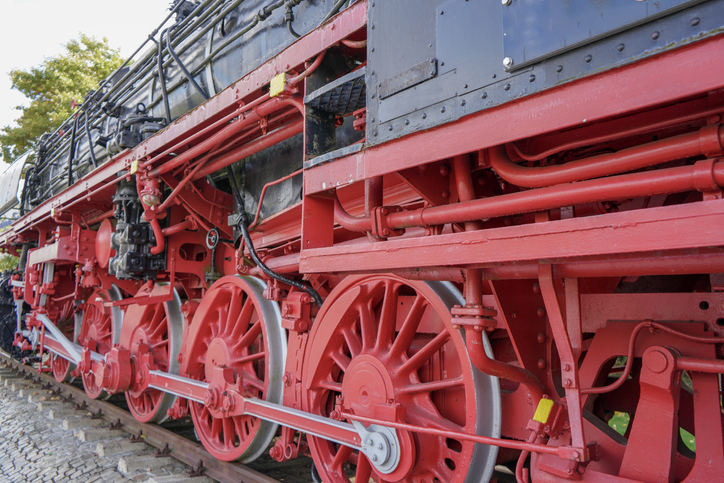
{"points": [[473, 294]]}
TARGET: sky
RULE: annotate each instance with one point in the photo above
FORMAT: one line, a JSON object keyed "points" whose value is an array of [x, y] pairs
{"points": [[32, 30]]}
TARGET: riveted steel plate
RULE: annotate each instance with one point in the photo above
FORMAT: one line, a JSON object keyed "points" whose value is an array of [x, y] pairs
{"points": [[534, 30]]}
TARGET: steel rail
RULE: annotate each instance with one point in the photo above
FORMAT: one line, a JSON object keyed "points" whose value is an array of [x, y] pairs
{"points": [[180, 448]]}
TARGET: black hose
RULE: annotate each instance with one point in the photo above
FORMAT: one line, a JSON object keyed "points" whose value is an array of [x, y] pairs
{"points": [[244, 226], [26, 187], [289, 15], [90, 142], [182, 66], [137, 119], [162, 79], [71, 156]]}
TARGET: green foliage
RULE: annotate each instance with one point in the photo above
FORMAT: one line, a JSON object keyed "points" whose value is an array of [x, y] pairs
{"points": [[8, 262], [51, 88]]}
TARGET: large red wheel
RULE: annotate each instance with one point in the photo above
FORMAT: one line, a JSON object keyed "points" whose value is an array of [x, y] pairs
{"points": [[237, 328], [62, 368], [380, 339], [160, 328], [98, 332]]}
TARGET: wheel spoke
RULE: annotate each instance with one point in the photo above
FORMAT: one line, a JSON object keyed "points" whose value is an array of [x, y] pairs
{"points": [[409, 328], [427, 387], [341, 360], [415, 362], [353, 342], [341, 458], [388, 316], [368, 326], [235, 306], [364, 469], [228, 432], [250, 358], [250, 336], [331, 385], [244, 319]]}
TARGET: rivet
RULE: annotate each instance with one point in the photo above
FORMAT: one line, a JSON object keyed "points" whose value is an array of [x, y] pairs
{"points": [[379, 446], [372, 96], [372, 27], [465, 86], [372, 49], [441, 12], [462, 103], [483, 95], [540, 312], [620, 47], [407, 122], [541, 337], [442, 109], [588, 58], [559, 69], [494, 76], [655, 35], [507, 2], [442, 63], [374, 457], [531, 78], [424, 116], [508, 62], [507, 87], [389, 128], [695, 21], [374, 133]]}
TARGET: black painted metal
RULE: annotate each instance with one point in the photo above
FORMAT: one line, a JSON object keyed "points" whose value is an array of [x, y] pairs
{"points": [[467, 39]]}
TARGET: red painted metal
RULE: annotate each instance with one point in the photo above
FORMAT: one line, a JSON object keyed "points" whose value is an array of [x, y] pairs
{"points": [[146, 335], [228, 333], [707, 141], [367, 353], [691, 71], [96, 334]]}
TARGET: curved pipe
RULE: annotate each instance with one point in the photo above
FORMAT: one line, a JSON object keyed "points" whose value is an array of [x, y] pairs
{"points": [[503, 370], [294, 81], [183, 226], [708, 141], [355, 44], [705, 175], [158, 234]]}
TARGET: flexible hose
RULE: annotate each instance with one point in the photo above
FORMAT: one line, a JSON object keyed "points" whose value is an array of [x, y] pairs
{"points": [[244, 226], [72, 150]]}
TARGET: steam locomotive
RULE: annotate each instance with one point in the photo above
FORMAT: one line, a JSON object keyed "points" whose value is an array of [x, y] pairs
{"points": [[419, 239]]}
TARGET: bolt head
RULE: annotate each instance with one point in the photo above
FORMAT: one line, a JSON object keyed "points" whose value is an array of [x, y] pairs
{"points": [[508, 62], [507, 2]]}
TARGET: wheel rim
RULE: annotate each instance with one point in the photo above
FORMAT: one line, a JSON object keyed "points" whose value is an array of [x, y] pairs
{"points": [[61, 367], [96, 333], [160, 326], [382, 339], [236, 327]]}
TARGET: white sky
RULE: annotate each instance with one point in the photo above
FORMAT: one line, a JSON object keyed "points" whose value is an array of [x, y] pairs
{"points": [[32, 30]]}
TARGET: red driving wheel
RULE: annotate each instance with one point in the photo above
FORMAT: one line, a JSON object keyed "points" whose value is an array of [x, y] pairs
{"points": [[61, 367], [96, 333], [382, 340], [158, 327], [237, 328]]}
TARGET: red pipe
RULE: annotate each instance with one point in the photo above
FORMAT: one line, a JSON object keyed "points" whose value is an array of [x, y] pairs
{"points": [[160, 239], [708, 141], [355, 44], [258, 112], [712, 366], [705, 175], [183, 226], [294, 81], [281, 134], [491, 367], [263, 193]]}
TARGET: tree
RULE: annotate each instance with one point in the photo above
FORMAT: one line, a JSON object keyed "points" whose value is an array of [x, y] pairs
{"points": [[51, 88]]}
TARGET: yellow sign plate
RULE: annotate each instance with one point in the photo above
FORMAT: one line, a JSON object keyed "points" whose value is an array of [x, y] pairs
{"points": [[134, 167], [543, 411], [277, 85]]}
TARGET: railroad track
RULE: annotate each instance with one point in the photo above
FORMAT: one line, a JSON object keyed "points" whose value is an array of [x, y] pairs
{"points": [[165, 441]]}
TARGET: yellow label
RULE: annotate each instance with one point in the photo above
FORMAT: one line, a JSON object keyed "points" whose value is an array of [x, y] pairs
{"points": [[52, 211], [277, 84], [544, 410], [134, 167]]}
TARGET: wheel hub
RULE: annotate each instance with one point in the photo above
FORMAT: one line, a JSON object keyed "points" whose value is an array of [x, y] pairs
{"points": [[217, 355], [366, 385]]}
